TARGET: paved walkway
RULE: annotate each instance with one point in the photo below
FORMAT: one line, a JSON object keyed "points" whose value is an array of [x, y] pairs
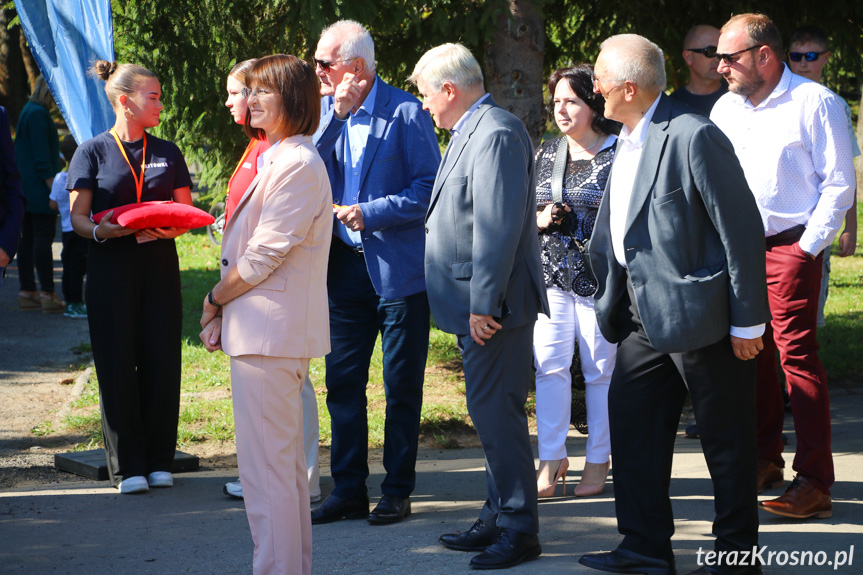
{"points": [[87, 528]]}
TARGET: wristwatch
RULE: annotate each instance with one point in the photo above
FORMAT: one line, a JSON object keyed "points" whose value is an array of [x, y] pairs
{"points": [[212, 300]]}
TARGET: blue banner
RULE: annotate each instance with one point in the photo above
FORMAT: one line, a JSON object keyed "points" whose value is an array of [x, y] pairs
{"points": [[66, 37]]}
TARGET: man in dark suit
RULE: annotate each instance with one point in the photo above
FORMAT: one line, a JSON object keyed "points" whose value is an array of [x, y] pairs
{"points": [[11, 197], [485, 285], [381, 155], [676, 253]]}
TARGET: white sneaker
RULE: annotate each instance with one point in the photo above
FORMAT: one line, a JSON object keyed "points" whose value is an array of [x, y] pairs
{"points": [[233, 489], [314, 498], [136, 484], [160, 479]]}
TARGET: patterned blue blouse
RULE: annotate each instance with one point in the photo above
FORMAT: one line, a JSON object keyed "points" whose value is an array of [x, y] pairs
{"points": [[583, 187]]}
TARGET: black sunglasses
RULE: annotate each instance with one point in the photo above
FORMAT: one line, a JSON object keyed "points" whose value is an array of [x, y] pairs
{"points": [[730, 59], [707, 51], [810, 56], [325, 66]]}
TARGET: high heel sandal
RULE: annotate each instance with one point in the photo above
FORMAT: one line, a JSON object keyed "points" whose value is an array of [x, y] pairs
{"points": [[592, 479], [547, 490]]}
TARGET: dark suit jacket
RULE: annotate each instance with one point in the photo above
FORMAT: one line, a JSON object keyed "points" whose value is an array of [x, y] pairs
{"points": [[482, 249], [694, 243], [399, 164], [12, 201]]}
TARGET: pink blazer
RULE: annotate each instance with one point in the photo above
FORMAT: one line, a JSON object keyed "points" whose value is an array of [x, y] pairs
{"points": [[279, 240]]}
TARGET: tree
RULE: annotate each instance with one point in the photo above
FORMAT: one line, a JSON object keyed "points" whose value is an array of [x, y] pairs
{"points": [[14, 87], [576, 28], [513, 64], [191, 45], [191, 54]]}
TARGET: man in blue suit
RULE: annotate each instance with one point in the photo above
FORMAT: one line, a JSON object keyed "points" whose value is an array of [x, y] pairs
{"points": [[11, 197], [381, 154]]}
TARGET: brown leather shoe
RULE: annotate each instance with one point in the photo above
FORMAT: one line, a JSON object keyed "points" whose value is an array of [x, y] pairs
{"points": [[801, 501], [770, 475]]}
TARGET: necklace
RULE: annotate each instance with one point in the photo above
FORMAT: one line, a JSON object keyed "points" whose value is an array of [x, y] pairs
{"points": [[583, 149]]}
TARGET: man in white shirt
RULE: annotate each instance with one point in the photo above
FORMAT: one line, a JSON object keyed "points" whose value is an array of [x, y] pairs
{"points": [[791, 136], [681, 289]]}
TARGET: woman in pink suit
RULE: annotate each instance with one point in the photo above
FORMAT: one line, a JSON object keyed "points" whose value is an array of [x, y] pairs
{"points": [[269, 311]]}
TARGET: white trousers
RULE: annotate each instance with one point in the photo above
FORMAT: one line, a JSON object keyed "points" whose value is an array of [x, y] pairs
{"points": [[554, 339], [311, 436], [268, 418]]}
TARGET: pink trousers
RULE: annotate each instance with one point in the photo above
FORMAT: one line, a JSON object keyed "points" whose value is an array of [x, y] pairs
{"points": [[268, 418]]}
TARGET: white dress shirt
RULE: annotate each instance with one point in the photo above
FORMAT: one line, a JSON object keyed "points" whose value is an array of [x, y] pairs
{"points": [[626, 159], [796, 154], [627, 156]]}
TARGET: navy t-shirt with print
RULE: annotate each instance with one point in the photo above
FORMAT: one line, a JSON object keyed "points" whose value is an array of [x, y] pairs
{"points": [[99, 166]]}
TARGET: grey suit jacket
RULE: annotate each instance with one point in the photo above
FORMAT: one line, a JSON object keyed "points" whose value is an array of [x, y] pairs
{"points": [[694, 243], [482, 250]]}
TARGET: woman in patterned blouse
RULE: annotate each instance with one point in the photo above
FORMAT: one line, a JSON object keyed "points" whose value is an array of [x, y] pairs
{"points": [[563, 229]]}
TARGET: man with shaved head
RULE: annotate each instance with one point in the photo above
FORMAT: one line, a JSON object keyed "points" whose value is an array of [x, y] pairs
{"points": [[676, 255], [705, 83]]}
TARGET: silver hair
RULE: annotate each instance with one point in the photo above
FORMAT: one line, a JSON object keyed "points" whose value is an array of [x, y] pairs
{"points": [[447, 63], [635, 59], [356, 42], [41, 93]]}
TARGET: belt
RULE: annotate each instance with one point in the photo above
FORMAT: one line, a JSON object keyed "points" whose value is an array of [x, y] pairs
{"points": [[788, 236], [358, 250]]}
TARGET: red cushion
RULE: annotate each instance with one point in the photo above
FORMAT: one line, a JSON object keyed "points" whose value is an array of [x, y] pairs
{"points": [[157, 215]]}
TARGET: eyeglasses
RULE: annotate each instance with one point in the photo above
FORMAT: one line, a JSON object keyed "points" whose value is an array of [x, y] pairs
{"points": [[325, 66], [597, 80], [246, 92], [730, 59], [707, 51], [810, 56]]}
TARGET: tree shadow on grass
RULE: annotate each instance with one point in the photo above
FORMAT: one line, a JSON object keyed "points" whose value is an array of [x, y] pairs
{"points": [[195, 284]]}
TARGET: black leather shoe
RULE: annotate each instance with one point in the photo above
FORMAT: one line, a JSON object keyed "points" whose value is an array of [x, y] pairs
{"points": [[727, 570], [511, 548], [335, 508], [390, 510], [477, 538], [624, 561]]}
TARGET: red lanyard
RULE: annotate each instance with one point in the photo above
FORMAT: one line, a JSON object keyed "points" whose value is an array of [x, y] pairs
{"points": [[139, 182]]}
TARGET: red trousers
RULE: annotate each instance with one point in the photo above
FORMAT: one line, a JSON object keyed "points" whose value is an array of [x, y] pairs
{"points": [[793, 283]]}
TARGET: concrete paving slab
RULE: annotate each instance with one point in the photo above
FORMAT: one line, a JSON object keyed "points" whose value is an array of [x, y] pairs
{"points": [[88, 528], [192, 528]]}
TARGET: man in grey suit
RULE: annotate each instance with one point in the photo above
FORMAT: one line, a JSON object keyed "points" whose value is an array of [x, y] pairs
{"points": [[681, 288], [485, 285]]}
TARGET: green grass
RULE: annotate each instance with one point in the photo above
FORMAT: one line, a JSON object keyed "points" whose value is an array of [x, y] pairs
{"points": [[841, 337], [206, 414]]}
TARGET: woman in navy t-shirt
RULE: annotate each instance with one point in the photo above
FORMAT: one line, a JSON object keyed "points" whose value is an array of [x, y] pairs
{"points": [[133, 284]]}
